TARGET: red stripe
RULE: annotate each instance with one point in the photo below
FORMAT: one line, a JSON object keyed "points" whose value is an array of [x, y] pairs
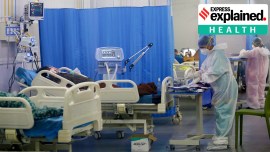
{"points": [[205, 11], [202, 16]]}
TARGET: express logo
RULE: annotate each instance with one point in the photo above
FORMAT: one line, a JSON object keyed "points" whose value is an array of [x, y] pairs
{"points": [[204, 13], [227, 14], [231, 19]]}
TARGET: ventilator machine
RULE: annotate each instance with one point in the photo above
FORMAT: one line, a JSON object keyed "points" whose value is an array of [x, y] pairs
{"points": [[109, 61]]}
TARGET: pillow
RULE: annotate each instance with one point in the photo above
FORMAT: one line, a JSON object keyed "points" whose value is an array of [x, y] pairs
{"points": [[25, 76]]}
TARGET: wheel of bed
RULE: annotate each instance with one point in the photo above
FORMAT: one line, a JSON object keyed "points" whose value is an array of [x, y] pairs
{"points": [[172, 147], [97, 135], [176, 119], [120, 134], [77, 111]]}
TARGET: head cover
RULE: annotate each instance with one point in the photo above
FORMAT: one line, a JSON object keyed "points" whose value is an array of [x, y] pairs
{"points": [[206, 40], [257, 42]]}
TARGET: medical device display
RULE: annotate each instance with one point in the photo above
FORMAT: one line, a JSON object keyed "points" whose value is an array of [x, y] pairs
{"points": [[24, 49], [27, 41], [34, 10], [115, 54], [13, 30]]}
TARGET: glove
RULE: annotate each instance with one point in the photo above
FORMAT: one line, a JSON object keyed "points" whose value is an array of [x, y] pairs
{"points": [[198, 79], [197, 74], [193, 75], [242, 52], [189, 75]]}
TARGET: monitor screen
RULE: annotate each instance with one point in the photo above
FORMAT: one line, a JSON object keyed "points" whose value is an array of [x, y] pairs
{"points": [[108, 53], [36, 9]]}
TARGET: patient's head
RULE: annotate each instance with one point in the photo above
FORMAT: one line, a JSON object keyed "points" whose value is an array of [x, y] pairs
{"points": [[49, 68]]}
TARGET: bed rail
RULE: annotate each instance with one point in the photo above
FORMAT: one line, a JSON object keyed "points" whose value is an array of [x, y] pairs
{"points": [[42, 80], [16, 118], [109, 94]]}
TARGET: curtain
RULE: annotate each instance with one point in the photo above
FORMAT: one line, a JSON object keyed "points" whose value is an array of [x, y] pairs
{"points": [[69, 37]]}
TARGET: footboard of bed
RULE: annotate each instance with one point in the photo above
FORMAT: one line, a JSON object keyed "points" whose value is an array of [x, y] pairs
{"points": [[16, 118], [81, 107], [166, 98]]}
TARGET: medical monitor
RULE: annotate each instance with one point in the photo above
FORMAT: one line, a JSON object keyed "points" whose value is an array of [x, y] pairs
{"points": [[34, 10], [109, 54]]}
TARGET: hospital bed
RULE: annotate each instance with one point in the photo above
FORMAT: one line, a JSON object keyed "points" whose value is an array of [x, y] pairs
{"points": [[183, 73], [195, 64], [121, 107], [81, 116]]}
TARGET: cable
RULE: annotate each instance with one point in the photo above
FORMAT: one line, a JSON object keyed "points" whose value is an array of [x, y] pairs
{"points": [[8, 52], [12, 78], [108, 70], [79, 139], [115, 71], [16, 33], [35, 59], [8, 47], [95, 76]]}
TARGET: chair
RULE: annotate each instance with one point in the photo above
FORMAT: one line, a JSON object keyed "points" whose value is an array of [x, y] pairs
{"points": [[262, 113]]}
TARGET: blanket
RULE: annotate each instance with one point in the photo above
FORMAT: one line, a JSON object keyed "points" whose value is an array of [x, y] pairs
{"points": [[38, 113]]}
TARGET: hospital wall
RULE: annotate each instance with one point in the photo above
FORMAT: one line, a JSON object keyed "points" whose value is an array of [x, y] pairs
{"points": [[8, 49], [266, 38], [184, 14], [186, 22], [7, 53], [235, 42]]}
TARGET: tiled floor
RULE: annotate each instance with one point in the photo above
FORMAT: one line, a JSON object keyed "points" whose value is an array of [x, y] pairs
{"points": [[255, 137]]}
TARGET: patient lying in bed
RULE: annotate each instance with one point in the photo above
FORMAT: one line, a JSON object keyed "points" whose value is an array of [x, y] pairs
{"points": [[38, 113], [71, 76], [143, 88]]}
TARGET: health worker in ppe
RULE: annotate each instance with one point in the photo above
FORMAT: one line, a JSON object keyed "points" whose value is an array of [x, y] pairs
{"points": [[256, 73], [216, 71]]}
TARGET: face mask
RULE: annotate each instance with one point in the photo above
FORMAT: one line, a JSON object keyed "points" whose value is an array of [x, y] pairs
{"points": [[205, 51]]}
